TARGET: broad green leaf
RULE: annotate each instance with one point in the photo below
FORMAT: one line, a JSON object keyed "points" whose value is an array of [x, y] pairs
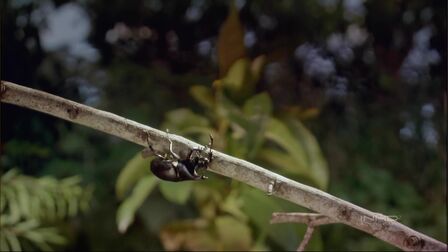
{"points": [[282, 160], [257, 67], [203, 95], [233, 234], [257, 105], [258, 110], [176, 192], [238, 79], [315, 159], [127, 209], [259, 207], [301, 145], [184, 120], [232, 205], [230, 41], [189, 235], [134, 169], [279, 133]]}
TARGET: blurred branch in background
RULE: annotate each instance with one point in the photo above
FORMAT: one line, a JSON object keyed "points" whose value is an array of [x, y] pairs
{"points": [[390, 231]]}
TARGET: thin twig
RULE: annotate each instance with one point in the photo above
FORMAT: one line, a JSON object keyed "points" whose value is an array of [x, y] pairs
{"points": [[306, 238], [311, 220], [342, 211]]}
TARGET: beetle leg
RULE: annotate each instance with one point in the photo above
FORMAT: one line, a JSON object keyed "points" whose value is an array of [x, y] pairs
{"points": [[155, 153], [171, 145], [185, 174]]}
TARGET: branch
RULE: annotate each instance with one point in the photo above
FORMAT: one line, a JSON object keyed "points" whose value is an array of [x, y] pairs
{"points": [[310, 219], [337, 209]]}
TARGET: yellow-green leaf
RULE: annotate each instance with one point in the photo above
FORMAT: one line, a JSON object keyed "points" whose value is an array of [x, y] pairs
{"points": [[203, 95], [279, 133], [282, 160], [233, 234], [134, 169], [238, 79], [127, 209], [13, 241], [176, 192], [315, 159]]}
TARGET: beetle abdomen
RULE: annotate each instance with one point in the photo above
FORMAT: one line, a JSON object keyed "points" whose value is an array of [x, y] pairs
{"points": [[164, 169]]}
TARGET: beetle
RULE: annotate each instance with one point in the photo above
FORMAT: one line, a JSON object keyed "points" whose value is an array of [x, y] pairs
{"points": [[175, 168]]}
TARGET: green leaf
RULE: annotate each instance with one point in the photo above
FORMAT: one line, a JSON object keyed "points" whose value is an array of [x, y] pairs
{"points": [[71, 181], [2, 201], [259, 207], [315, 159], [230, 43], [23, 198], [13, 241], [26, 226], [51, 235], [258, 110], [176, 192], [14, 209], [279, 133], [127, 209], [238, 79], [232, 205], [282, 160], [9, 175], [134, 169], [302, 146], [203, 95], [258, 105], [4, 246], [233, 234], [182, 119]]}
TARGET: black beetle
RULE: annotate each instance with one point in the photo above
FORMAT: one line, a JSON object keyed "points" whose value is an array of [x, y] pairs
{"points": [[172, 167]]}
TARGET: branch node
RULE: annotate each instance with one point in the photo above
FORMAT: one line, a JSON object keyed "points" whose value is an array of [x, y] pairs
{"points": [[271, 187]]}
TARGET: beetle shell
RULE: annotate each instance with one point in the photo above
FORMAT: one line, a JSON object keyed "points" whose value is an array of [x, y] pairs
{"points": [[173, 170]]}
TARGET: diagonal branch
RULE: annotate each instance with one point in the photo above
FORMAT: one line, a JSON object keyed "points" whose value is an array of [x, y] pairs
{"points": [[337, 209]]}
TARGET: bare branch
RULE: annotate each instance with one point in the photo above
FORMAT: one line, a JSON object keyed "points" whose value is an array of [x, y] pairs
{"points": [[310, 219], [342, 211], [306, 238]]}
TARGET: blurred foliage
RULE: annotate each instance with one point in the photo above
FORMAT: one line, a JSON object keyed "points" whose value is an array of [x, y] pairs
{"points": [[31, 210], [365, 77]]}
